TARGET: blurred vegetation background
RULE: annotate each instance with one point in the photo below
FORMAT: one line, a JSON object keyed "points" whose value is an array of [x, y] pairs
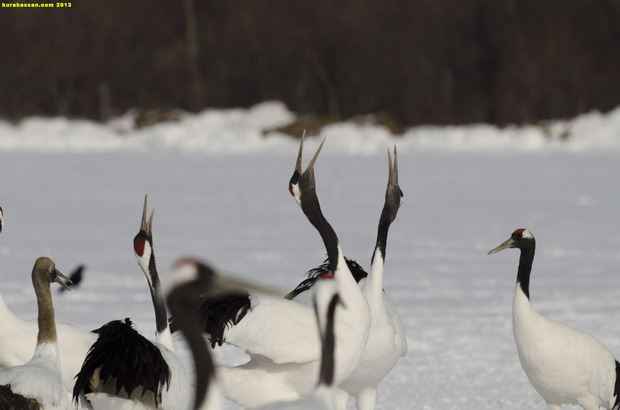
{"points": [[423, 61]]}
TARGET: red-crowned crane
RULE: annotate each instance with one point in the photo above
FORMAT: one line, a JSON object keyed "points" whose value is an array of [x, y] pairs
{"points": [[564, 365], [386, 340], [123, 368]]}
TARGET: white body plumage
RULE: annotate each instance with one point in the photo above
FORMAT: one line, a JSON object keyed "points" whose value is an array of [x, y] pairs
{"points": [[39, 379], [18, 340], [386, 342], [564, 365], [326, 303]]}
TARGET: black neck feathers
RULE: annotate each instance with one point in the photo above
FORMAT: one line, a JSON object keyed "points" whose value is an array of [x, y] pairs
{"points": [[312, 209], [161, 316], [183, 309], [525, 266]]}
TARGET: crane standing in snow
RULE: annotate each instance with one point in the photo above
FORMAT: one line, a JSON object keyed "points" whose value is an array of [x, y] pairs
{"points": [[564, 365]]}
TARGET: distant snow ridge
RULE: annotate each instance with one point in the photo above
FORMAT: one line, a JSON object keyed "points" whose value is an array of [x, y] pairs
{"points": [[241, 131]]}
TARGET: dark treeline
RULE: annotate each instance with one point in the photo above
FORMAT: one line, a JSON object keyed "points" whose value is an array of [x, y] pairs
{"points": [[424, 61]]}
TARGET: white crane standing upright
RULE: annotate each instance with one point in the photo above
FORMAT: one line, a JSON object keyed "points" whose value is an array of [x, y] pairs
{"points": [[386, 340], [564, 365]]}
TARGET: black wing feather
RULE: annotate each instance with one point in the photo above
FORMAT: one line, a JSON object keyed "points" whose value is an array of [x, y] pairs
{"points": [[125, 356]]}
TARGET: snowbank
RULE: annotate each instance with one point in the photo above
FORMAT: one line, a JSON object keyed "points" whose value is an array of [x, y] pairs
{"points": [[242, 131]]}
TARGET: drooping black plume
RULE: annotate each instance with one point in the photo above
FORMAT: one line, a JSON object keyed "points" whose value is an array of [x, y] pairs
{"points": [[314, 274], [217, 313], [124, 357]]}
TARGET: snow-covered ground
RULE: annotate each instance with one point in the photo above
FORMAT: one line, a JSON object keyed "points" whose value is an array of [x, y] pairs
{"points": [[73, 190]]}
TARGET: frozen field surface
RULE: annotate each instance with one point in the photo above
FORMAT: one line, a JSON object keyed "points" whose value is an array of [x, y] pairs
{"points": [[233, 209]]}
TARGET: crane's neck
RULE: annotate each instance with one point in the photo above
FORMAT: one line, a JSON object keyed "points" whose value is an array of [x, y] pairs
{"points": [[312, 210], [47, 325], [326, 374], [185, 317], [382, 231], [525, 268], [163, 335], [373, 290], [350, 291], [373, 287]]}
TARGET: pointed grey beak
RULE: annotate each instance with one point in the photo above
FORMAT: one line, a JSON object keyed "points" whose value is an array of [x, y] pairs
{"points": [[299, 155], [301, 150], [146, 225], [59, 279], [393, 169], [311, 164], [502, 246]]}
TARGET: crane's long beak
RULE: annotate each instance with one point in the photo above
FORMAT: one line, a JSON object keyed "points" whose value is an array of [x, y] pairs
{"points": [[299, 155], [146, 225], [502, 246], [311, 164], [393, 168], [59, 279], [301, 150]]}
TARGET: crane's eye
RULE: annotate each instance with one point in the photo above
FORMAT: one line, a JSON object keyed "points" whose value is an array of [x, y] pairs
{"points": [[518, 233]]}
